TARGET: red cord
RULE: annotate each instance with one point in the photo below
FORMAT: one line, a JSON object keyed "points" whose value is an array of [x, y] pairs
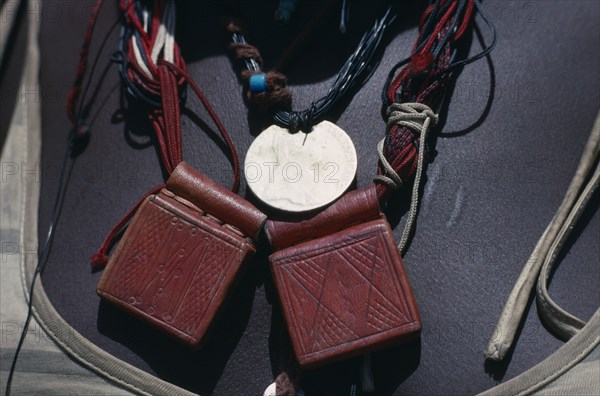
{"points": [[440, 26], [75, 91], [171, 117], [100, 258], [166, 81], [401, 148], [232, 151], [466, 21]]}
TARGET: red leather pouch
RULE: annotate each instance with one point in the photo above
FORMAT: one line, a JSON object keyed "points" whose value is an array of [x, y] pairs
{"points": [[341, 281], [181, 255]]}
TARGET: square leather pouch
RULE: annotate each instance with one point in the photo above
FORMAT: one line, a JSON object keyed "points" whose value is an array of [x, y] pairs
{"points": [[341, 282], [181, 255]]}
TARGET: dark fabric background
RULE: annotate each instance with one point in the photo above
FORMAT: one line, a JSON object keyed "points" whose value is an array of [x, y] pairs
{"points": [[513, 135]]}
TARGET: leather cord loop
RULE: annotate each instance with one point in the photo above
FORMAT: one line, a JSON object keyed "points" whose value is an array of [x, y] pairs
{"points": [[416, 116], [419, 118], [302, 120]]}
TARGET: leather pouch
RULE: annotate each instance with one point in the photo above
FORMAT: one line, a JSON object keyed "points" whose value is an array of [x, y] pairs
{"points": [[341, 281], [181, 255]]}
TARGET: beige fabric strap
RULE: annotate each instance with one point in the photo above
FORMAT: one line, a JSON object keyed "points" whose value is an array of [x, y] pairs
{"points": [[545, 252], [571, 370], [557, 319]]}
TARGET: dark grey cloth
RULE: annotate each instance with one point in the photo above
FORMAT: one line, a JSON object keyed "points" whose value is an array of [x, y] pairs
{"points": [[514, 131]]}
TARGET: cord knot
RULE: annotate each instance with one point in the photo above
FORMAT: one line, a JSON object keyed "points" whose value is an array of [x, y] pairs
{"points": [[302, 120], [234, 25], [275, 96], [99, 260], [418, 117]]}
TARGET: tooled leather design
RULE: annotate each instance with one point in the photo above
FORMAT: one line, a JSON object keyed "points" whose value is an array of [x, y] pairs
{"points": [[142, 251], [341, 290], [173, 271]]}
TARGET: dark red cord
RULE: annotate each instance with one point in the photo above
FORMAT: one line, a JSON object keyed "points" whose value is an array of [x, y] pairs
{"points": [[100, 258], [166, 82], [425, 79], [466, 21], [232, 151], [75, 92]]}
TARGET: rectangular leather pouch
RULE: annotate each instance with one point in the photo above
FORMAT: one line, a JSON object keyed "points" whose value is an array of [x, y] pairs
{"points": [[181, 255], [341, 281]]}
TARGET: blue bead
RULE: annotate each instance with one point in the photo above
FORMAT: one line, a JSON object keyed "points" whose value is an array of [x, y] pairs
{"points": [[258, 83]]}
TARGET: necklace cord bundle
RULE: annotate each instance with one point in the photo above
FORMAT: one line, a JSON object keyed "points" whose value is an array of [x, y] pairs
{"points": [[154, 73], [275, 94], [411, 94], [275, 97], [419, 118]]}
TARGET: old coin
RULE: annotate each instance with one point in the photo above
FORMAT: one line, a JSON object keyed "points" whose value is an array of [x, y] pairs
{"points": [[297, 172]]}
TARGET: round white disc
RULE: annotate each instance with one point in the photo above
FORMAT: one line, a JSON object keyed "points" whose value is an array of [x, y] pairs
{"points": [[272, 390], [300, 172]]}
